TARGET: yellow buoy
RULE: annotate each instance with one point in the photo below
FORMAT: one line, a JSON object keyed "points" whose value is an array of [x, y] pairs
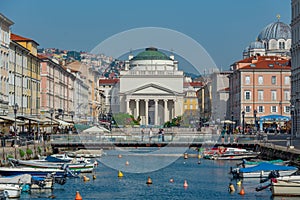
{"points": [[94, 177], [78, 197], [185, 184], [120, 174], [199, 156], [149, 180], [239, 183], [231, 187], [242, 191], [85, 178]]}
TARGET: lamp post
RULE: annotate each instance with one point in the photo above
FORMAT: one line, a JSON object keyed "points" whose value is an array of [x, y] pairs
{"points": [[72, 115], [255, 127], [51, 111], [292, 107], [231, 122], [243, 116], [16, 107]]}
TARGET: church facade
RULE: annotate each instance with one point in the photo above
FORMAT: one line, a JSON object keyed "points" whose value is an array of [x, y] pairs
{"points": [[151, 87]]}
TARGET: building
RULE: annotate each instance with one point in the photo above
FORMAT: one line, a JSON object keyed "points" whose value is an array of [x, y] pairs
{"points": [[5, 24], [295, 78], [260, 86], [274, 40], [25, 84], [151, 87], [220, 96], [57, 88]]}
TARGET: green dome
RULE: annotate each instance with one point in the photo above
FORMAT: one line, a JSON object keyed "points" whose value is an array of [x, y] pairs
{"points": [[151, 53]]}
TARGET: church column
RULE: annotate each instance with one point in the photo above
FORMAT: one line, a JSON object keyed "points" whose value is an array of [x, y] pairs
{"points": [[166, 118], [127, 106], [146, 110], [174, 108], [156, 112], [137, 105]]}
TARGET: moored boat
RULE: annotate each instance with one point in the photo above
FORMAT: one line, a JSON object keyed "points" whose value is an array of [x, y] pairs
{"points": [[263, 170], [285, 188], [13, 190], [232, 154], [77, 167]]}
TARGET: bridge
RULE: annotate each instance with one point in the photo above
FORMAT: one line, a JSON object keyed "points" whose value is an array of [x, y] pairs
{"points": [[187, 139]]}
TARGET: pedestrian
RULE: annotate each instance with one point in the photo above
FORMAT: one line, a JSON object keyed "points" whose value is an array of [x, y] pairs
{"points": [[163, 135], [159, 135], [150, 134], [142, 133], [223, 135]]}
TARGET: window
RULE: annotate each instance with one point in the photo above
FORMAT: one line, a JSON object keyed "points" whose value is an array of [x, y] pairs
{"points": [[261, 109], [287, 109], [273, 80], [260, 95], [273, 108], [248, 109], [191, 107], [287, 80], [273, 95], [286, 95], [247, 80], [260, 80], [247, 95]]}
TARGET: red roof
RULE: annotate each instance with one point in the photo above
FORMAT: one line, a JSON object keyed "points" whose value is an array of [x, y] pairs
{"points": [[108, 81], [269, 62], [193, 84], [19, 38]]}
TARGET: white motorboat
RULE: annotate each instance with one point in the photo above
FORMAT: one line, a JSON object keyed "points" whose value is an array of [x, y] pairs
{"points": [[13, 190], [263, 170], [285, 188]]}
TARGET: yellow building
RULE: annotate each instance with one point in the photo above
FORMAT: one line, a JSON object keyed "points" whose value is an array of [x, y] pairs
{"points": [[25, 71]]}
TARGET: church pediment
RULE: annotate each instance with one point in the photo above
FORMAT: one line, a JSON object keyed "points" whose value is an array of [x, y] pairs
{"points": [[151, 89]]}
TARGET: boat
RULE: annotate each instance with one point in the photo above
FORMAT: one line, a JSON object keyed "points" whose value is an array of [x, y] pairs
{"points": [[41, 172], [13, 190], [246, 163], [77, 167], [285, 188], [232, 154], [263, 170]]}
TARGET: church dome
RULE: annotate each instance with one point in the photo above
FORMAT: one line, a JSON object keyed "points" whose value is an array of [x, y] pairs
{"points": [[256, 45], [151, 53], [276, 30]]}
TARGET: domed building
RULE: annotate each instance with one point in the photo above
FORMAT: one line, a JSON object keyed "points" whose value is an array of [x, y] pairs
{"points": [[151, 87], [274, 40]]}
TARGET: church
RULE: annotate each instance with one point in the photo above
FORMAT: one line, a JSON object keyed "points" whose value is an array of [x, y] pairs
{"points": [[151, 87]]}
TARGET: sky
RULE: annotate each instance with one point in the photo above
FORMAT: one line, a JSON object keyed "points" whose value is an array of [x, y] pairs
{"points": [[223, 27]]}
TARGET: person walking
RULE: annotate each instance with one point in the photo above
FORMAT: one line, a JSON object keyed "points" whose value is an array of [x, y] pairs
{"points": [[150, 134], [142, 133], [162, 135]]}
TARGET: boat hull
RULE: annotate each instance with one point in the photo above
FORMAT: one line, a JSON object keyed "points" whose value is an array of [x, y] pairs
{"points": [[13, 191], [7, 171], [285, 188], [264, 174]]}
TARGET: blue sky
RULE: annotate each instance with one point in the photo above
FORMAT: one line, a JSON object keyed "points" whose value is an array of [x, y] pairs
{"points": [[223, 27]]}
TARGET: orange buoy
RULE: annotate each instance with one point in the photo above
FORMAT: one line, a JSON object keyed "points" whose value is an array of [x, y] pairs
{"points": [[127, 163], [119, 156], [85, 178], [185, 156], [149, 181], [78, 197], [185, 184], [242, 191], [171, 180]]}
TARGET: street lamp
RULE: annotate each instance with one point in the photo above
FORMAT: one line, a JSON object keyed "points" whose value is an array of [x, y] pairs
{"points": [[243, 116], [292, 107], [232, 122], [255, 113], [16, 107], [72, 115], [51, 111]]}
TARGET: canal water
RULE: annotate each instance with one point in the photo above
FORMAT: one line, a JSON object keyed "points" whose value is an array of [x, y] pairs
{"points": [[206, 180]]}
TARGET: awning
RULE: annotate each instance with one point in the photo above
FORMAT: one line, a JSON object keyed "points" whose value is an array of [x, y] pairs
{"points": [[273, 118], [63, 123], [7, 118]]}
